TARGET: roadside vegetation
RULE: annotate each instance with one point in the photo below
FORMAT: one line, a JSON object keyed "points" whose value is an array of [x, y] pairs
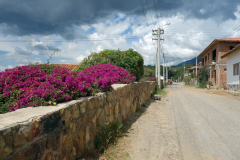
{"points": [[188, 79], [203, 77], [46, 84], [42, 85], [149, 75], [108, 135], [130, 60], [160, 91]]}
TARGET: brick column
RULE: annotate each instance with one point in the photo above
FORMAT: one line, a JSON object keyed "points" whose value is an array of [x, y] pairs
{"points": [[239, 75]]}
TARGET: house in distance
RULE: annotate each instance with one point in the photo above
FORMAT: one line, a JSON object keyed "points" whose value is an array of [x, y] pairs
{"points": [[211, 58]]}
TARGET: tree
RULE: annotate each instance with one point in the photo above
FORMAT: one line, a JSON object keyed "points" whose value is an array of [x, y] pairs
{"points": [[130, 60], [203, 77]]}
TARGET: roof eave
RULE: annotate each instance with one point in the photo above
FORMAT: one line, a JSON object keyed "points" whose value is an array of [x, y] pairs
{"points": [[229, 52], [214, 42]]}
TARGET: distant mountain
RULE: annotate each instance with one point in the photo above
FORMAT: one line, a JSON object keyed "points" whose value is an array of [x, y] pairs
{"points": [[150, 67], [191, 61]]}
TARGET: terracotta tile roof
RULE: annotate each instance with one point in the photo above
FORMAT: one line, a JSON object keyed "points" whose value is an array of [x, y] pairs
{"points": [[216, 41], [232, 50], [194, 67], [71, 67]]}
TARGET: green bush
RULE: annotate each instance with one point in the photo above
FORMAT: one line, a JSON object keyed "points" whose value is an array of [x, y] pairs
{"points": [[108, 134], [144, 79], [210, 83], [4, 104], [203, 77], [193, 75], [187, 80], [130, 60], [148, 73]]}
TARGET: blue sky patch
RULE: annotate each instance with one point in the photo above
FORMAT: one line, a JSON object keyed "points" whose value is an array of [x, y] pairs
{"points": [[3, 52]]}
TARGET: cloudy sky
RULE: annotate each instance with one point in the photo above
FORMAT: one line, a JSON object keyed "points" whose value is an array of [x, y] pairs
{"points": [[31, 30]]}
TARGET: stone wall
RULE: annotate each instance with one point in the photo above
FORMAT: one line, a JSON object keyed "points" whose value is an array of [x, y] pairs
{"points": [[193, 82], [233, 87], [67, 130]]}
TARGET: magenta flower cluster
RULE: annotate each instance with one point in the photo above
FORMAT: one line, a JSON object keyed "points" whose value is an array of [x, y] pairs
{"points": [[30, 86], [152, 79]]}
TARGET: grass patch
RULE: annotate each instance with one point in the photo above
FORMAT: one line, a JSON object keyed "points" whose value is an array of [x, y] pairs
{"points": [[190, 85], [108, 135], [159, 91]]}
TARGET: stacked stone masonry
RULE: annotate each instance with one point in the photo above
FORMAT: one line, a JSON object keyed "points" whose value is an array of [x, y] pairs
{"points": [[69, 129]]}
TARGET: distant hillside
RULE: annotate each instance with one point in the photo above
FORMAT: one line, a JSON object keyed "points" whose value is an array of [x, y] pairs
{"points": [[191, 61], [150, 67]]}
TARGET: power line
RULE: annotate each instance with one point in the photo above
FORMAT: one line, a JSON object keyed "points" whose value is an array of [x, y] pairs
{"points": [[143, 11], [105, 39], [149, 10], [156, 12], [188, 16], [146, 19], [233, 31], [159, 6]]}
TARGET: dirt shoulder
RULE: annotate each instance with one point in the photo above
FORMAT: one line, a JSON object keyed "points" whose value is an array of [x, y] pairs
{"points": [[150, 135], [185, 124]]}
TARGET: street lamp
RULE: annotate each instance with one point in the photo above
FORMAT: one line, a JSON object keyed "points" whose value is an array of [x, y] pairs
{"points": [[166, 24]]}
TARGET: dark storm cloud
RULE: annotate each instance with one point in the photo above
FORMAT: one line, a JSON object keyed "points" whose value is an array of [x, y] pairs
{"points": [[219, 10], [42, 47], [46, 17], [22, 51]]}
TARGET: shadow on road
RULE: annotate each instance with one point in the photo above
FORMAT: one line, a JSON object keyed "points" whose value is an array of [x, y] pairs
{"points": [[126, 126]]}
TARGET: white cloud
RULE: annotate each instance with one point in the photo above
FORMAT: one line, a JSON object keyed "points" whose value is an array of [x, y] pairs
{"points": [[3, 68], [202, 11], [80, 58], [85, 27], [183, 39]]}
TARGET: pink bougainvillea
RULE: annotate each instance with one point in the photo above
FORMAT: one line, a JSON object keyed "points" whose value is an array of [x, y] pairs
{"points": [[152, 79], [34, 85]]}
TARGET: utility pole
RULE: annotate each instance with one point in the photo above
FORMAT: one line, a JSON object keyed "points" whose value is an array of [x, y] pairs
{"points": [[163, 71], [184, 71], [166, 73], [196, 67], [156, 69], [159, 32], [196, 71]]}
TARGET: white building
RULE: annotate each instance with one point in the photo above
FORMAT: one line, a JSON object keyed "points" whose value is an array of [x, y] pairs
{"points": [[233, 68]]}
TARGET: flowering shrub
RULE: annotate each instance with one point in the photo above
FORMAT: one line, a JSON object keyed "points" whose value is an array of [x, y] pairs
{"points": [[37, 85], [104, 75], [130, 60], [152, 79]]}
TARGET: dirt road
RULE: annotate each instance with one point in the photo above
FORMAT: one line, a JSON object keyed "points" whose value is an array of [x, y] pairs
{"points": [[187, 124]]}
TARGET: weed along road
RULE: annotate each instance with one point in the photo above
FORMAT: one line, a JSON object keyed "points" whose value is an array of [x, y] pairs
{"points": [[188, 124]]}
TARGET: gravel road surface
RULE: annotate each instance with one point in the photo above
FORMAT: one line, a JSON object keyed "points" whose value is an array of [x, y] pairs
{"points": [[188, 124]]}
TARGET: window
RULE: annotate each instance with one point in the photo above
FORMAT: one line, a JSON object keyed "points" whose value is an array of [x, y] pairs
{"points": [[214, 55], [235, 69]]}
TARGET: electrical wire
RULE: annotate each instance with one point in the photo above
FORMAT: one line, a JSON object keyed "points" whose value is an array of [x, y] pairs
{"points": [[156, 13], [149, 11], [188, 16], [233, 31], [106, 39], [146, 20]]}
